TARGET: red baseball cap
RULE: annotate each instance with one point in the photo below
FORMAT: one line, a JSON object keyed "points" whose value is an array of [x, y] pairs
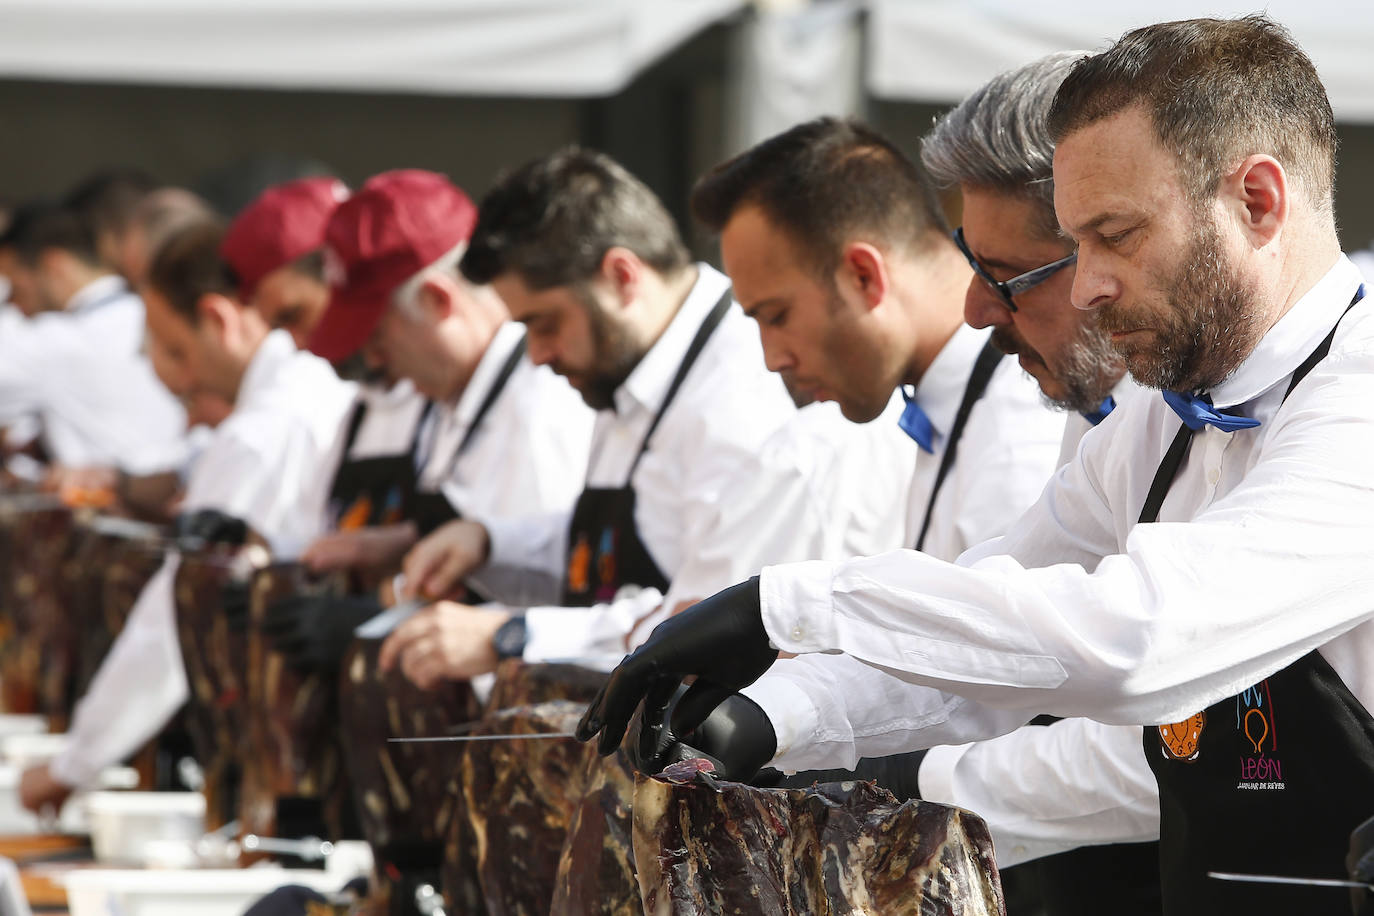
{"points": [[397, 224], [286, 222]]}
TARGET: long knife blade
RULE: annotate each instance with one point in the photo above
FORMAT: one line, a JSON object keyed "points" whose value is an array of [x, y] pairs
{"points": [[380, 627], [1283, 879], [453, 739]]}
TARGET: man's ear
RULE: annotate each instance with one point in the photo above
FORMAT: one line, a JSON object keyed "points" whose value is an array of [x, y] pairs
{"points": [[437, 298], [863, 271], [623, 272], [217, 313], [1257, 192]]}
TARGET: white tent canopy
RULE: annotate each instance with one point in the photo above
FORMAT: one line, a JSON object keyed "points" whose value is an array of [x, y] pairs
{"points": [[563, 48], [941, 50]]}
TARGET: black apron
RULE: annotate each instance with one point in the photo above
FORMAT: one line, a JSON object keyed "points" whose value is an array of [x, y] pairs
{"points": [[368, 492], [605, 550], [430, 508], [1270, 781]]}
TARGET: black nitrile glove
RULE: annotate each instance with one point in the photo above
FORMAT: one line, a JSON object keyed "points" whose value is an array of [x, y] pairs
{"points": [[196, 529], [1360, 864], [314, 632], [720, 640], [736, 737]]}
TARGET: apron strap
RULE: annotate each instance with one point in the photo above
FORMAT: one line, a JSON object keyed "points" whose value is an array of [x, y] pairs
{"points": [[708, 327], [1173, 458], [983, 367], [499, 385]]}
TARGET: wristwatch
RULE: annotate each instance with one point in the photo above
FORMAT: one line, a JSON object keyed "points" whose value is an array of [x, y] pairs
{"points": [[510, 638]]}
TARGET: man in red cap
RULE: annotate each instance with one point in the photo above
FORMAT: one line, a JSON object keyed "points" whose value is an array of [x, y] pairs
{"points": [[275, 250], [261, 466], [508, 437]]}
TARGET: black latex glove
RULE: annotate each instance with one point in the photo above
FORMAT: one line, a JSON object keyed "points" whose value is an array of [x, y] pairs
{"points": [[200, 527], [1360, 864], [721, 640], [736, 737], [314, 632]]}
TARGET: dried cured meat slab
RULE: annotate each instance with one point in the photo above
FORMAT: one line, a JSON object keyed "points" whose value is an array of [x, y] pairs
{"points": [[704, 846]]}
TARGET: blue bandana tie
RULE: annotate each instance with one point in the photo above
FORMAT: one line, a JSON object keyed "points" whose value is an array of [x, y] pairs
{"points": [[1097, 416], [1197, 412], [916, 424]]}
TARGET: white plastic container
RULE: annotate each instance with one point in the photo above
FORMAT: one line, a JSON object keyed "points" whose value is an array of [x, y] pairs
{"points": [[202, 892], [123, 823], [26, 749], [17, 724]]}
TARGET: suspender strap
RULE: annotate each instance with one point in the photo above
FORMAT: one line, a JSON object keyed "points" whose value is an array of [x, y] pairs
{"points": [[978, 379], [708, 327], [1173, 458], [494, 392], [355, 423]]}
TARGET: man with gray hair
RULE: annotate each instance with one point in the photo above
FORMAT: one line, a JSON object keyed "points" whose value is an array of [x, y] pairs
{"points": [[1054, 784]]}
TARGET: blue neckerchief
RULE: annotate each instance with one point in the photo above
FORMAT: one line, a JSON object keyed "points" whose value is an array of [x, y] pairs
{"points": [[916, 424], [1197, 412], [1097, 416]]}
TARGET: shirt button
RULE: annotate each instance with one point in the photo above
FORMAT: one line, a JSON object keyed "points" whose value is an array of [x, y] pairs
{"points": [[1213, 476], [798, 632]]}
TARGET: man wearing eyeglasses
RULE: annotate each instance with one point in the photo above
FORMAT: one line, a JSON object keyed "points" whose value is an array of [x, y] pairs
{"points": [[858, 291]]}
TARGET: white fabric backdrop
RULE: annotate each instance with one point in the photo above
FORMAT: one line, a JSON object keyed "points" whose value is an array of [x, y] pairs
{"points": [[469, 47], [940, 50]]}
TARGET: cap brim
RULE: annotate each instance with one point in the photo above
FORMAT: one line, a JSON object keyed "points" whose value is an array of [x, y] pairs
{"points": [[347, 323]]}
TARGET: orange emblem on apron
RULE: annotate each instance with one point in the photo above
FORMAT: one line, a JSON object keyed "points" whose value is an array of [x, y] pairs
{"points": [[1180, 739]]}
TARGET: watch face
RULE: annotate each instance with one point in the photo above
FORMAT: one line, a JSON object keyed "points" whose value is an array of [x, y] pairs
{"points": [[509, 641]]}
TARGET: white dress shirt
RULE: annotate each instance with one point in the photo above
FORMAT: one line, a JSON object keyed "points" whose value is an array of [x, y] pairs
{"points": [[1262, 554], [528, 456], [1006, 453], [263, 465], [720, 491], [1044, 790], [82, 373]]}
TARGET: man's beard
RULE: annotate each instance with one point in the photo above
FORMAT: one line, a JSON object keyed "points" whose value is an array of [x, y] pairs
{"points": [[1210, 324], [617, 354], [1088, 368]]}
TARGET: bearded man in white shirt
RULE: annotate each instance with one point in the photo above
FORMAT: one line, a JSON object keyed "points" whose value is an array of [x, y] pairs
{"points": [[690, 479], [1203, 562], [262, 465]]}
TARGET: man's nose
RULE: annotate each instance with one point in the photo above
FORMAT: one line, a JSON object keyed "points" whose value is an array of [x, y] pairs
{"points": [[984, 308], [1093, 284]]}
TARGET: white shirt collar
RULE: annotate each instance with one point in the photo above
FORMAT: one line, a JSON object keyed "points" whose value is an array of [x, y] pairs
{"points": [[275, 351], [647, 384], [941, 388], [1293, 337], [95, 292], [484, 376]]}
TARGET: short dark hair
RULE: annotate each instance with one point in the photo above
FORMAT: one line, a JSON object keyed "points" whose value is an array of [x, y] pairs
{"points": [[188, 266], [821, 182], [552, 220], [39, 225], [107, 200], [1216, 91]]}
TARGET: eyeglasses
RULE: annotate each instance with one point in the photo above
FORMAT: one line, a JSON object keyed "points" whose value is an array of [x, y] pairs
{"points": [[1018, 284]]}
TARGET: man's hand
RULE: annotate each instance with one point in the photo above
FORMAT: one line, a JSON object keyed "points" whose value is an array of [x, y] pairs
{"points": [[737, 737], [38, 790], [437, 565], [313, 632], [720, 640], [445, 641], [377, 548]]}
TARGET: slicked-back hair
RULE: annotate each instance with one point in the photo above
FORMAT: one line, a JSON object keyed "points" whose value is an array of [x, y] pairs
{"points": [[1216, 91], [107, 200], [41, 225], [998, 139], [552, 220], [188, 265], [822, 183]]}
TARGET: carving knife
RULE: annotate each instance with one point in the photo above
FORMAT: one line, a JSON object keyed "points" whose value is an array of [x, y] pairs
{"points": [[1284, 879]]}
